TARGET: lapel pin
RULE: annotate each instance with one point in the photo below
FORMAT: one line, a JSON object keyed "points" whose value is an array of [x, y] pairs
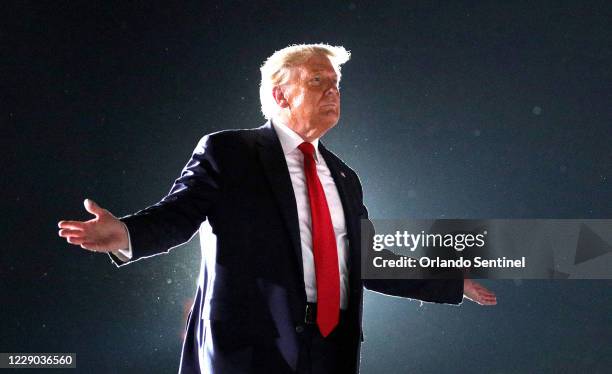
{"points": [[343, 175]]}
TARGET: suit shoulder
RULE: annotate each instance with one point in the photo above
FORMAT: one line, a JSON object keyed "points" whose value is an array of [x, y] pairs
{"points": [[226, 140]]}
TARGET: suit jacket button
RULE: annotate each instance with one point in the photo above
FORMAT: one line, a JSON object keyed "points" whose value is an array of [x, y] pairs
{"points": [[299, 329]]}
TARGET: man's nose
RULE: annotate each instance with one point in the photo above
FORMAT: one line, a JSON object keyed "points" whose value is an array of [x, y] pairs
{"points": [[332, 89]]}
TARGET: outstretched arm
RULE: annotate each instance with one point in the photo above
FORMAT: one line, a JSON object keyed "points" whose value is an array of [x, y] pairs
{"points": [[432, 290], [156, 229]]}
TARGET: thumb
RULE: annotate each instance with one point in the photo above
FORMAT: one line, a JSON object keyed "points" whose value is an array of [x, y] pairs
{"points": [[92, 207]]}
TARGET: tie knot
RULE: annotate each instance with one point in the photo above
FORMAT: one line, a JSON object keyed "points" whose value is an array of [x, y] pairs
{"points": [[307, 149]]}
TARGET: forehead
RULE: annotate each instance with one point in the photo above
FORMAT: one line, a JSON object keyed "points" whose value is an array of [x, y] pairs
{"points": [[318, 64]]}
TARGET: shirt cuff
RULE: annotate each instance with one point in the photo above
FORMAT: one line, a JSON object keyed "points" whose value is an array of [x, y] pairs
{"points": [[125, 254]]}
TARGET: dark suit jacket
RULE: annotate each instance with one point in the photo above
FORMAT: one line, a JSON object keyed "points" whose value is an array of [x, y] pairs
{"points": [[237, 191]]}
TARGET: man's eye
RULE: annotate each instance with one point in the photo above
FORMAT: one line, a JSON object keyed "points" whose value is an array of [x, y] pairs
{"points": [[316, 79]]}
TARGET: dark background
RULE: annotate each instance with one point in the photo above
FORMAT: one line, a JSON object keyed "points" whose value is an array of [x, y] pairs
{"points": [[450, 109]]}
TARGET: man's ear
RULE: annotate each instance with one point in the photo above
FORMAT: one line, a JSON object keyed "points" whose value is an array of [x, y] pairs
{"points": [[279, 97]]}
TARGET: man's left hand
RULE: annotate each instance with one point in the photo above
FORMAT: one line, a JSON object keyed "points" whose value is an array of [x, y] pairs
{"points": [[479, 294]]}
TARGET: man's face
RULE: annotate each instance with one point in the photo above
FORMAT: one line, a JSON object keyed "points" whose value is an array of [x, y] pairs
{"points": [[313, 97]]}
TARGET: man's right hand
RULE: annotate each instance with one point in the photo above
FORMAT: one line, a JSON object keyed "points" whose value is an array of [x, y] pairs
{"points": [[104, 233]]}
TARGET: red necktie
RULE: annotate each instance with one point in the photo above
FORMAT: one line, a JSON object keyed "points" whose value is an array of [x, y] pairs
{"points": [[323, 247]]}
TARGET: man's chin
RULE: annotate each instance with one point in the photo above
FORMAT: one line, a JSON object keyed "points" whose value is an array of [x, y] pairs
{"points": [[331, 116], [332, 121]]}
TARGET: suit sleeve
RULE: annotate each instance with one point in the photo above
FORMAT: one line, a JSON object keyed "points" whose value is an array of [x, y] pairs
{"points": [[176, 218], [449, 291]]}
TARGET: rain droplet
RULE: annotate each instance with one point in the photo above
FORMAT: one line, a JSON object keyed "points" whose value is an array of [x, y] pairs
{"points": [[536, 110]]}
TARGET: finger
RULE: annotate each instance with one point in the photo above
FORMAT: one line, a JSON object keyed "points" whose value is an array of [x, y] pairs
{"points": [[94, 247], [485, 291], [88, 246], [92, 207], [70, 233], [73, 225], [74, 240], [483, 300], [486, 294]]}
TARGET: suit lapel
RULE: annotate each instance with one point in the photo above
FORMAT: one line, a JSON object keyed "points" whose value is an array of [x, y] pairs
{"points": [[275, 167], [340, 178], [345, 190]]}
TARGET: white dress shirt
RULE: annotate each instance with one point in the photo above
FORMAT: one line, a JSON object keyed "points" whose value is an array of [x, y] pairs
{"points": [[295, 162], [290, 141]]}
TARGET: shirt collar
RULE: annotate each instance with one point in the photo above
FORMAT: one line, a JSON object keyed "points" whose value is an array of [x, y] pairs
{"points": [[290, 140]]}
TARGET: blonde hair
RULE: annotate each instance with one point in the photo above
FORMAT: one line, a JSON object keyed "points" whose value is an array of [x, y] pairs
{"points": [[275, 70]]}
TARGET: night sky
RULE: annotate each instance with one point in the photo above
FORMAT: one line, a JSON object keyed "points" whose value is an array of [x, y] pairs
{"points": [[449, 109]]}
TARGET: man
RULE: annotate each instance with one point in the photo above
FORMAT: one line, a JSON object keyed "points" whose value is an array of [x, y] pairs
{"points": [[279, 218]]}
